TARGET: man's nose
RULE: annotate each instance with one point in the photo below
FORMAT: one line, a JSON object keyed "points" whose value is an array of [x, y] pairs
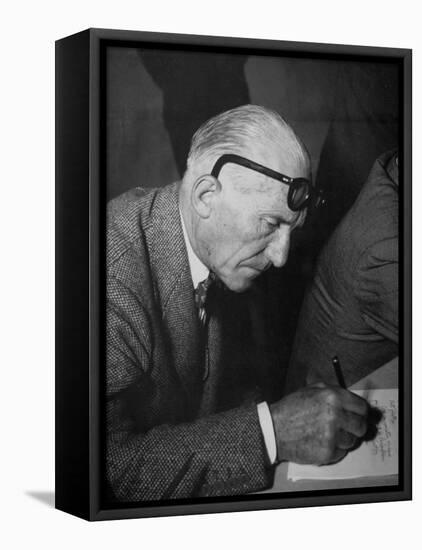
{"points": [[277, 250]]}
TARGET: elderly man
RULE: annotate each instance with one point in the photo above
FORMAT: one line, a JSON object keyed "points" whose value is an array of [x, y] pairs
{"points": [[186, 410]]}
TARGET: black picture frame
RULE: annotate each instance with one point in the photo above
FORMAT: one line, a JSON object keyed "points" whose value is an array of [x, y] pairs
{"points": [[80, 222]]}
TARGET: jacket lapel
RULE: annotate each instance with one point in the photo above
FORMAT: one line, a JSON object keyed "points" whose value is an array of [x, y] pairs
{"points": [[173, 284]]}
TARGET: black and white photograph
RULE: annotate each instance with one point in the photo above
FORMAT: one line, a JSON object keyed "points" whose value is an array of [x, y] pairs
{"points": [[239, 273], [210, 275], [253, 254]]}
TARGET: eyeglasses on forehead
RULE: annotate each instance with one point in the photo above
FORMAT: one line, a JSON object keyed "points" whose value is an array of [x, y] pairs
{"points": [[301, 193]]}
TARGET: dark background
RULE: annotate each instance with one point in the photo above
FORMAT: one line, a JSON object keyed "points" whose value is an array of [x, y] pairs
{"points": [[345, 111]]}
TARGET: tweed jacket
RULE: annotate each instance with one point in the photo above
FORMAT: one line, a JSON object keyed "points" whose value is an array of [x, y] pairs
{"points": [[181, 422], [351, 308]]}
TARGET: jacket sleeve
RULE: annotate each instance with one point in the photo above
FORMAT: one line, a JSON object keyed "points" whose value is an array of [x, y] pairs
{"points": [[151, 455], [376, 287]]}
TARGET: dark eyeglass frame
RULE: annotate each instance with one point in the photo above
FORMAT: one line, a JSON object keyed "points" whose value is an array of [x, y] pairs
{"points": [[295, 184]]}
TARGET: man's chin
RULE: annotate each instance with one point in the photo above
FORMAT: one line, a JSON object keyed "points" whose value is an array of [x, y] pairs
{"points": [[238, 285]]}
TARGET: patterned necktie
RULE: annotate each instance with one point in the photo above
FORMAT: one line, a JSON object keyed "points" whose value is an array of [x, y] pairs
{"points": [[201, 297]]}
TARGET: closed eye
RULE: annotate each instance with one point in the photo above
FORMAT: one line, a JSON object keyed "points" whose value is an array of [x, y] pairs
{"points": [[272, 223]]}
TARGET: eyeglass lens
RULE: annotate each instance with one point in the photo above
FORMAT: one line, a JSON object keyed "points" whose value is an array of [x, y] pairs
{"points": [[299, 194]]}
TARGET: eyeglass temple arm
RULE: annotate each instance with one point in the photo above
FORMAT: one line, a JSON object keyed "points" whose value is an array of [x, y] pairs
{"points": [[236, 159]]}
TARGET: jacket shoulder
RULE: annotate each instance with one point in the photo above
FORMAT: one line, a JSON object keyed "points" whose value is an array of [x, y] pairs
{"points": [[128, 217]]}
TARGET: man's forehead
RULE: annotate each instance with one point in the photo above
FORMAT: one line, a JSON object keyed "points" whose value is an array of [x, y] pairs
{"points": [[292, 166]]}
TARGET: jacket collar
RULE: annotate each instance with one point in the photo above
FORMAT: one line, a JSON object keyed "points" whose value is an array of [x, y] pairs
{"points": [[199, 272]]}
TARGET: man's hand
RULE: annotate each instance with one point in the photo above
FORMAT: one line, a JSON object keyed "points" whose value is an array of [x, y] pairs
{"points": [[318, 424]]}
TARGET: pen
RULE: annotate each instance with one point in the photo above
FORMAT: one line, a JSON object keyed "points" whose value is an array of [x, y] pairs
{"points": [[339, 374]]}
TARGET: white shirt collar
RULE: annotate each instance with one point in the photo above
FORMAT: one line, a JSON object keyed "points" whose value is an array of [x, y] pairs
{"points": [[199, 272]]}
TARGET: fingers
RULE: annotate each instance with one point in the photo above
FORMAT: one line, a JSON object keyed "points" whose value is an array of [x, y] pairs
{"points": [[337, 397], [354, 424], [353, 403], [337, 455], [345, 440], [318, 424]]}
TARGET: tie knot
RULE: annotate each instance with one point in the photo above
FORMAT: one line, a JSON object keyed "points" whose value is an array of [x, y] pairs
{"points": [[202, 290]]}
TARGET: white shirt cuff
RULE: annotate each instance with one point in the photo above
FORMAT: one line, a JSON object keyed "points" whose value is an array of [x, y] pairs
{"points": [[267, 428]]}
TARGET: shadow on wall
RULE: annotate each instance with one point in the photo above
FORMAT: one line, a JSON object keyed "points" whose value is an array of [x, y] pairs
{"points": [[158, 98], [156, 101], [195, 87]]}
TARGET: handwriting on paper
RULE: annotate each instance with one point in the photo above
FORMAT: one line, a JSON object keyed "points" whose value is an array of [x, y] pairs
{"points": [[376, 457]]}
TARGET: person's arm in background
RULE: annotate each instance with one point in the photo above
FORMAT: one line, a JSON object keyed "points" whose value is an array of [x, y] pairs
{"points": [[376, 288]]}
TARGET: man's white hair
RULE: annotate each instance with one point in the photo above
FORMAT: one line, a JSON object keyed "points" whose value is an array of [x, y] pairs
{"points": [[249, 130]]}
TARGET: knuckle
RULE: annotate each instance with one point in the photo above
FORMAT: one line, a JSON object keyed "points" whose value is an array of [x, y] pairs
{"points": [[331, 398]]}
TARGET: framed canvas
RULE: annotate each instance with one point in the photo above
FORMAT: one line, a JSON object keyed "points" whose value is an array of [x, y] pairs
{"points": [[233, 282]]}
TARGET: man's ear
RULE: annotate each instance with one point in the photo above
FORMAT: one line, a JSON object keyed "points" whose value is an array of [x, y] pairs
{"points": [[204, 192]]}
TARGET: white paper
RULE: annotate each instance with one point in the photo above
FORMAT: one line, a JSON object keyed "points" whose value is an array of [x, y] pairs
{"points": [[373, 458]]}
